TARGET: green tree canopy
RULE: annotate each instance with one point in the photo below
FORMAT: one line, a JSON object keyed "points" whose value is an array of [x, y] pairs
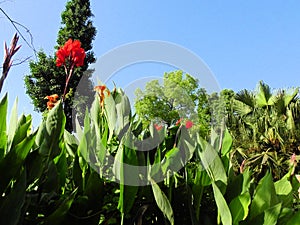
{"points": [[179, 96], [46, 78]]}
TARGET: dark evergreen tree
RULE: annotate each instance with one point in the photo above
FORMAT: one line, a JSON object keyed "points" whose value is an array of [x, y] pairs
{"points": [[46, 78]]}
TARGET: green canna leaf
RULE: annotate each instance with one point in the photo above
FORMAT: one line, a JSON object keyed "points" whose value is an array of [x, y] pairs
{"points": [[3, 134], [11, 205], [226, 143], [14, 160], [126, 171], [284, 191], [272, 214], [162, 202], [264, 196], [295, 219], [12, 123], [239, 207], [211, 161], [59, 214], [223, 208]]}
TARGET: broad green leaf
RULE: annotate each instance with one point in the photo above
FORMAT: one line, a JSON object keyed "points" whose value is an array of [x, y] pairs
{"points": [[226, 143], [23, 129], [223, 208], [156, 168], [59, 214], [186, 145], [239, 207], [55, 122], [238, 184], [3, 135], [172, 161], [61, 165], [101, 143], [12, 123], [284, 190], [110, 114], [162, 202], [290, 122], [264, 95], [77, 174], [51, 182], [34, 166], [285, 215], [211, 161], [14, 160], [11, 205], [234, 187], [79, 130], [51, 132], [95, 191], [71, 143], [242, 108], [288, 98], [271, 214], [264, 196], [246, 180], [126, 169], [96, 112], [123, 112], [295, 219]]}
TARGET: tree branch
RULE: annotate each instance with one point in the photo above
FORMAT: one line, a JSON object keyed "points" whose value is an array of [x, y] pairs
{"points": [[15, 25]]}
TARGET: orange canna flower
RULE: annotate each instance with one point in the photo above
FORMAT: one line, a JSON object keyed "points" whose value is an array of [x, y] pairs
{"points": [[52, 100], [100, 89], [178, 122]]}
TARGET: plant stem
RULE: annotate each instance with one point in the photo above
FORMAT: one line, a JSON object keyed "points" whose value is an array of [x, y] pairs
{"points": [[67, 81]]}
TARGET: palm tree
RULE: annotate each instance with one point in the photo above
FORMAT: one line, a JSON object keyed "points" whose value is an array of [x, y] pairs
{"points": [[265, 127]]}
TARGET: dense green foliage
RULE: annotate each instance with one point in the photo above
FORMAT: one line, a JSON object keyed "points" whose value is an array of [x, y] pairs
{"points": [[186, 156], [50, 176], [265, 126], [46, 78]]}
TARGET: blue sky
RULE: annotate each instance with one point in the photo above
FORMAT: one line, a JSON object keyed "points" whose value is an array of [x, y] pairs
{"points": [[242, 42]]}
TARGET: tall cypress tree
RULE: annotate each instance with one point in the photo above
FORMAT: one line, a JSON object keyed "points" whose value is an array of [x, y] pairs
{"points": [[46, 78]]}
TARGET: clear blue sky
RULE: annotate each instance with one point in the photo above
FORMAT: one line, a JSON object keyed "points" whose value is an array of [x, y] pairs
{"points": [[241, 41]]}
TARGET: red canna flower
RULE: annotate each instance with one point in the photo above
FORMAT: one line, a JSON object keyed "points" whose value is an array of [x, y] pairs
{"points": [[71, 51], [158, 127], [70, 55], [188, 124]]}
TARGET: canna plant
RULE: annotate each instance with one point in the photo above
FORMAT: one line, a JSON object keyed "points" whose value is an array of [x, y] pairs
{"points": [[51, 176]]}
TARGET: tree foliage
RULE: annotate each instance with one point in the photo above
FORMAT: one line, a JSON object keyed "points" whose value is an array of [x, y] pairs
{"points": [[178, 97], [46, 79]]}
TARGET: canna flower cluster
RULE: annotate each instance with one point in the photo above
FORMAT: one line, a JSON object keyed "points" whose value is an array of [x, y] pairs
{"points": [[70, 55], [101, 89], [52, 101], [188, 124], [158, 127]]}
